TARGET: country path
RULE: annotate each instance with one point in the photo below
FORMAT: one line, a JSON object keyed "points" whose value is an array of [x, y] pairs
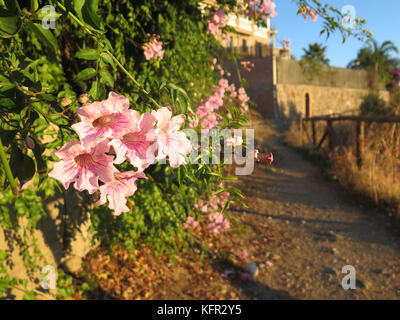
{"points": [[320, 229]]}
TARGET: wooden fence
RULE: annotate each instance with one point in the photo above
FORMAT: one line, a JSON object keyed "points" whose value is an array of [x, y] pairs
{"points": [[359, 126]]}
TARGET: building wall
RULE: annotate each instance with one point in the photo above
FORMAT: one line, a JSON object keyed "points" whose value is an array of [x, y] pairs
{"points": [[260, 84]]}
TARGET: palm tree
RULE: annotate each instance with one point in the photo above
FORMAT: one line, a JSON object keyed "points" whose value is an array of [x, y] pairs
{"points": [[314, 60], [376, 58], [315, 53]]}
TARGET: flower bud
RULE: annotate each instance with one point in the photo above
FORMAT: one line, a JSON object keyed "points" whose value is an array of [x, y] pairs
{"points": [[30, 143], [65, 102], [83, 98]]}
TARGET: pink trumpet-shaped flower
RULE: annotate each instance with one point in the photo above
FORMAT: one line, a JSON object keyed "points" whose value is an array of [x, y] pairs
{"points": [[171, 142], [123, 185], [102, 119], [134, 142], [84, 165]]}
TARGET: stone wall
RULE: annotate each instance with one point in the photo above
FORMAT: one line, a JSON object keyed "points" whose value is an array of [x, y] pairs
{"points": [[323, 100], [62, 238]]}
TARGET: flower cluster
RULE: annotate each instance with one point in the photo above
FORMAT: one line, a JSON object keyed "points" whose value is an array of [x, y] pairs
{"points": [[247, 65], [218, 223], [206, 111], [220, 69], [217, 21], [140, 139], [307, 11], [153, 49], [190, 222], [265, 8]]}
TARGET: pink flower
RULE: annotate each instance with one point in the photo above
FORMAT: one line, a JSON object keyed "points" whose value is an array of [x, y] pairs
{"points": [[214, 61], [210, 121], [307, 11], [234, 141], [268, 263], [218, 223], [245, 277], [84, 165], [134, 142], [191, 222], [256, 152], [102, 119], [217, 21], [286, 43], [171, 142], [243, 97], [184, 225], [123, 185], [268, 8], [266, 158], [153, 49], [226, 274], [243, 254]]}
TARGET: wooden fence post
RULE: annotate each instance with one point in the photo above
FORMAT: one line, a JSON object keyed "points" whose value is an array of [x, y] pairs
{"points": [[301, 130], [330, 135], [314, 133], [360, 137]]}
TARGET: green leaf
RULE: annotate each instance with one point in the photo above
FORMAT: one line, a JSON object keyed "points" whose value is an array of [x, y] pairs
{"points": [[87, 54], [89, 13], [7, 104], [97, 92], [106, 77], [34, 5], [45, 36], [11, 5], [107, 58], [86, 74], [22, 166], [29, 295], [3, 255], [9, 24], [7, 136]]}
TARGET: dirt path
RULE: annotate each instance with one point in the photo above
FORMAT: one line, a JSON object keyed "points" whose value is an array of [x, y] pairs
{"points": [[322, 229], [299, 228]]}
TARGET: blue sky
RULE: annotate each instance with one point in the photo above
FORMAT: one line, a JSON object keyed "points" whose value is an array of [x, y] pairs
{"points": [[383, 19]]}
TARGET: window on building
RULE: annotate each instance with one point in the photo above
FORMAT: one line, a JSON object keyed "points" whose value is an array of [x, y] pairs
{"points": [[258, 50], [244, 46], [229, 42]]}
